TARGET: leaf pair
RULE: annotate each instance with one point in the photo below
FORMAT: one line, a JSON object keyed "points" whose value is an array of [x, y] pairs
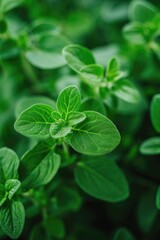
{"points": [[152, 145], [12, 214], [90, 132], [42, 121], [81, 60]]}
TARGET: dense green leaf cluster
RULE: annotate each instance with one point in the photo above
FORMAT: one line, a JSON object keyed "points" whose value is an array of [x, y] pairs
{"points": [[79, 106]]}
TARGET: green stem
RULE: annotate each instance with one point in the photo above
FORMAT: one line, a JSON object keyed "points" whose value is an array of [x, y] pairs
{"points": [[29, 72], [65, 149]]}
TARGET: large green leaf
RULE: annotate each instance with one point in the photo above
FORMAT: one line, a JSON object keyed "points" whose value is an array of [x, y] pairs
{"points": [[12, 217], [9, 164], [69, 100], [151, 146], [103, 179], [96, 135], [155, 112], [77, 56], [35, 121], [38, 166]]}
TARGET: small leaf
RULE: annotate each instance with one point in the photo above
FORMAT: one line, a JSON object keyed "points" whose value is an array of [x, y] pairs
{"points": [[151, 146], [55, 227], [155, 112], [112, 69], [69, 100], [126, 90], [59, 130], [158, 198], [68, 199], [12, 217], [35, 121], [102, 179], [123, 234], [96, 135], [9, 164], [11, 187], [134, 33], [38, 166], [93, 73], [142, 11], [77, 57], [75, 118]]}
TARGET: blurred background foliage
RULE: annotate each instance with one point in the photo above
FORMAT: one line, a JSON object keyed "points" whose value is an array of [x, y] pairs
{"points": [[32, 35]]}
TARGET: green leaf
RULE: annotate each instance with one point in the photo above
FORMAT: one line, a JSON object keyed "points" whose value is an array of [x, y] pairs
{"points": [[92, 73], [123, 234], [2, 194], [155, 112], [151, 146], [38, 166], [142, 11], [69, 100], [112, 69], [7, 5], [126, 90], [68, 199], [102, 179], [11, 187], [55, 227], [43, 59], [46, 51], [75, 118], [12, 217], [134, 33], [26, 102], [42, 26], [147, 211], [77, 56], [35, 121], [158, 198], [96, 135], [9, 164], [59, 130]]}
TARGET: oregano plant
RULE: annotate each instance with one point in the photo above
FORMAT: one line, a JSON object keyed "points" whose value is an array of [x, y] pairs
{"points": [[79, 108]]}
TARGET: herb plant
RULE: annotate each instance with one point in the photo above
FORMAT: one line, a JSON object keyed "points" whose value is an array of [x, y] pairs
{"points": [[79, 107]]}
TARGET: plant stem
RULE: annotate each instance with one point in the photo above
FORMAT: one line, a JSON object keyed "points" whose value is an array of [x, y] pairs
{"points": [[29, 72]]}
